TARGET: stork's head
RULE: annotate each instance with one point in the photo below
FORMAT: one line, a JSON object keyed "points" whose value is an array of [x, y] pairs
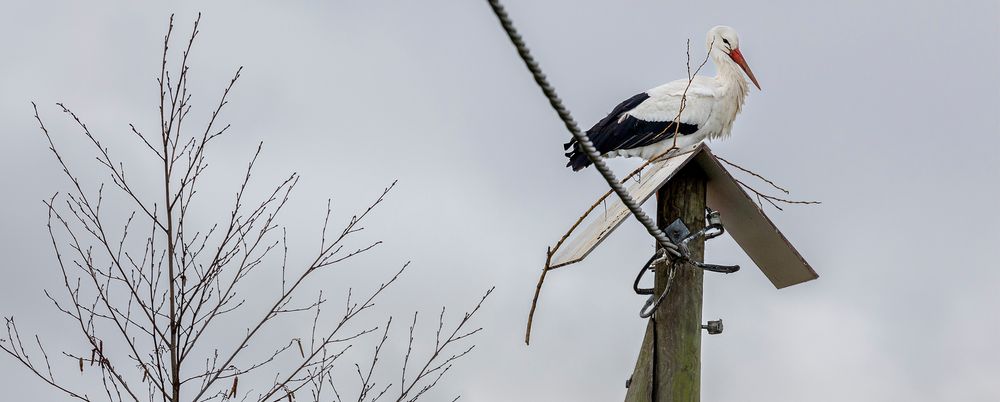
{"points": [[722, 40]]}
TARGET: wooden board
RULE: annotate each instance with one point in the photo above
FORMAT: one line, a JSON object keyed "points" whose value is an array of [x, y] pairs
{"points": [[742, 217], [751, 228]]}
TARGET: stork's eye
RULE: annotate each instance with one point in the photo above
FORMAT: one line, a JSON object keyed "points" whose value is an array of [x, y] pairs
{"points": [[726, 41]]}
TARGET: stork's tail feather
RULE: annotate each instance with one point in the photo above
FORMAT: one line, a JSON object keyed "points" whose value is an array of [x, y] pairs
{"points": [[578, 161], [577, 158]]}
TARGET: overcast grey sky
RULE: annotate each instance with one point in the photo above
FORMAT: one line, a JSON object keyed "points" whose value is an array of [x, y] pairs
{"points": [[885, 111]]}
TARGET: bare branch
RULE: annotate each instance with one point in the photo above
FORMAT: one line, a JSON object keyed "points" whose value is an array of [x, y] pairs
{"points": [[145, 292]]}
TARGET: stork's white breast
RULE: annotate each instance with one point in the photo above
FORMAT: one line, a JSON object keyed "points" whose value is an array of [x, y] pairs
{"points": [[665, 101]]}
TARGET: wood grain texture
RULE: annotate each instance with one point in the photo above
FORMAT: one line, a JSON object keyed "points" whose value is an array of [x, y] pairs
{"points": [[675, 329]]}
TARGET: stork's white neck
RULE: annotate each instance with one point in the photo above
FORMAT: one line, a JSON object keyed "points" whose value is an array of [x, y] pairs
{"points": [[730, 78], [732, 92]]}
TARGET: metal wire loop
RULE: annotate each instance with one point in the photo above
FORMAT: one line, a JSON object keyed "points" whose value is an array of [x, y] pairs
{"points": [[653, 302]]}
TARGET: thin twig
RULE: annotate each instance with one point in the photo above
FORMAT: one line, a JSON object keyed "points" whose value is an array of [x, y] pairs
{"points": [[754, 174]]}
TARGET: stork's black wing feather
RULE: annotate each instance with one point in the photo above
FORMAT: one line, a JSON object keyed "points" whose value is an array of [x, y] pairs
{"points": [[621, 131]]}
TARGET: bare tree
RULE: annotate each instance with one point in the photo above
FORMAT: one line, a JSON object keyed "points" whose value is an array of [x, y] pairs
{"points": [[151, 307]]}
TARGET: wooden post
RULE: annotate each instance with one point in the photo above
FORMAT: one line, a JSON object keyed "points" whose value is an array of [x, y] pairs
{"points": [[676, 325]]}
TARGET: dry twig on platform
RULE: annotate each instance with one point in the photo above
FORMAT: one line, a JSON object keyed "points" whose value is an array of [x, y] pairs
{"points": [[762, 196]]}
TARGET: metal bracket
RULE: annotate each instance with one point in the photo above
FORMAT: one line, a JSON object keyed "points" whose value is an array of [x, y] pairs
{"points": [[679, 233], [713, 327]]}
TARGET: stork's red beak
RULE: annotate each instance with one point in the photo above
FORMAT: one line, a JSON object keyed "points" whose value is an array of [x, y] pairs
{"points": [[738, 58]]}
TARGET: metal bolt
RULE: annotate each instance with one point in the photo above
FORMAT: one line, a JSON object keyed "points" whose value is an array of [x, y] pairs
{"points": [[714, 218], [713, 327]]}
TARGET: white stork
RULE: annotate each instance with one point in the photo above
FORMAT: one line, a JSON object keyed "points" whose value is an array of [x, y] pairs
{"points": [[644, 126]]}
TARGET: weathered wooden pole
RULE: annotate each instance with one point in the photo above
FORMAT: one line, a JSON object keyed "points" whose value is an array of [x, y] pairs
{"points": [[675, 328]]}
